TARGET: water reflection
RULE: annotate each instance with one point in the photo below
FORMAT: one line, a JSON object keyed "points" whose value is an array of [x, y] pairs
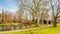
{"points": [[9, 27]]}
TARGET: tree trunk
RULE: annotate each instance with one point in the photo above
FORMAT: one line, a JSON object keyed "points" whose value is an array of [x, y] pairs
{"points": [[55, 22], [38, 21]]}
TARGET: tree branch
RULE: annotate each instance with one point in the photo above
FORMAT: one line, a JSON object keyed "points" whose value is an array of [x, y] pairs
{"points": [[57, 12], [58, 16]]}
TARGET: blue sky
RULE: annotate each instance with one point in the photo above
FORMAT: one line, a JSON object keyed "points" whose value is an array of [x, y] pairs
{"points": [[9, 5]]}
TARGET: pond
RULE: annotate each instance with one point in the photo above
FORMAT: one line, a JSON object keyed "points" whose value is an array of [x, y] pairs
{"points": [[8, 28]]}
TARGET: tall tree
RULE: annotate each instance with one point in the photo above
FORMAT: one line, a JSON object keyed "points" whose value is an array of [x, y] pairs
{"points": [[55, 12], [45, 15], [35, 7]]}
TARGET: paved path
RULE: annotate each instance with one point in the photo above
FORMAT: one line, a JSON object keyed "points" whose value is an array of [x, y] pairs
{"points": [[25, 29]]}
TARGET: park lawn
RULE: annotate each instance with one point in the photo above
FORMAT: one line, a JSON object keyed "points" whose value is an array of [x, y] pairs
{"points": [[49, 30]]}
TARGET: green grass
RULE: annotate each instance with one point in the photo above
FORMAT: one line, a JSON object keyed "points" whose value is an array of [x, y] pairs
{"points": [[49, 30]]}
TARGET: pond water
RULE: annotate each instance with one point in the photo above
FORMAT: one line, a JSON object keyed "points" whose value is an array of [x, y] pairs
{"points": [[7, 28]]}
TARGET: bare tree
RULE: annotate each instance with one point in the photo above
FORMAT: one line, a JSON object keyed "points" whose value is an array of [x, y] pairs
{"points": [[45, 15], [35, 8], [55, 14]]}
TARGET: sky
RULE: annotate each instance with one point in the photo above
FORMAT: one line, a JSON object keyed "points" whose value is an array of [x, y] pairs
{"points": [[9, 5]]}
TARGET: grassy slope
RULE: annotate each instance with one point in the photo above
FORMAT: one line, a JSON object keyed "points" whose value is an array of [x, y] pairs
{"points": [[50, 30]]}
